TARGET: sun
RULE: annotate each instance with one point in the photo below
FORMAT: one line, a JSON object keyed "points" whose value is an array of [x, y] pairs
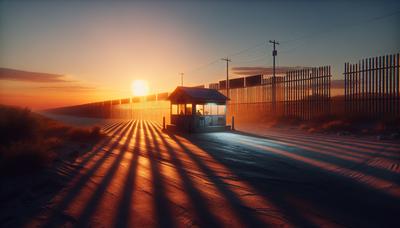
{"points": [[140, 88]]}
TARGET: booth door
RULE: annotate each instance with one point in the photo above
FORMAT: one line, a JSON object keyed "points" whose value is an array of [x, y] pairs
{"points": [[209, 121], [202, 122]]}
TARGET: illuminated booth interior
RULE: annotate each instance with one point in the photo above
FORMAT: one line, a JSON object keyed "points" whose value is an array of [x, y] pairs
{"points": [[196, 109]]}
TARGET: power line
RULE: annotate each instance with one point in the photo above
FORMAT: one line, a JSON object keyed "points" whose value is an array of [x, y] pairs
{"points": [[260, 58], [230, 55], [332, 28], [202, 66], [247, 49]]}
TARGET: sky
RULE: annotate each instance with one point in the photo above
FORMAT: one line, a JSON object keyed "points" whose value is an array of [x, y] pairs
{"points": [[97, 48]]}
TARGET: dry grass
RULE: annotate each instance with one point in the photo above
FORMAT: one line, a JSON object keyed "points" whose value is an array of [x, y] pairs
{"points": [[30, 142]]}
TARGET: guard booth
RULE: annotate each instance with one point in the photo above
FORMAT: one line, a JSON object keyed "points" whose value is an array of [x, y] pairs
{"points": [[194, 109]]}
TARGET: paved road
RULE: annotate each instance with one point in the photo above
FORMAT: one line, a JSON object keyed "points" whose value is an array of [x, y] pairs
{"points": [[140, 176]]}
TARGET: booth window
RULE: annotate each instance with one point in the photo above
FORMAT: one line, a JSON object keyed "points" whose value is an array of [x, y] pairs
{"points": [[221, 109], [210, 109], [214, 109], [207, 109], [174, 109], [181, 109], [199, 109], [188, 109]]}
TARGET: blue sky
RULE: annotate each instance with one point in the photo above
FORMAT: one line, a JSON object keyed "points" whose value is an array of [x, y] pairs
{"points": [[108, 44]]}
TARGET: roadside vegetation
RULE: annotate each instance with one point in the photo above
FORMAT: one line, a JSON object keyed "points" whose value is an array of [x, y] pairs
{"points": [[30, 142]]}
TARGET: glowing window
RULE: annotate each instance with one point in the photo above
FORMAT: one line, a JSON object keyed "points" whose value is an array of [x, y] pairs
{"points": [[221, 109], [214, 109], [188, 109], [174, 109], [207, 109], [181, 109], [199, 109]]}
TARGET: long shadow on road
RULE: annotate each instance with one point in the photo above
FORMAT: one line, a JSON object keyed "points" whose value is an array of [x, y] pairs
{"points": [[68, 173], [245, 214], [94, 201], [54, 218], [339, 199], [161, 203], [203, 216], [123, 217]]}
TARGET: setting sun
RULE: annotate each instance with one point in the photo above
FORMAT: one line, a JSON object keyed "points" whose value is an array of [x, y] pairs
{"points": [[140, 88]]}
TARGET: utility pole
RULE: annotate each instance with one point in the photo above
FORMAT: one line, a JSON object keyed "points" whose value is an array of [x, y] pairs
{"points": [[227, 75], [274, 53], [181, 78]]}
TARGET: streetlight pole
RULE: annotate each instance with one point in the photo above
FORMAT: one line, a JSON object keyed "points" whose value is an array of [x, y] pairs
{"points": [[274, 53], [227, 75]]}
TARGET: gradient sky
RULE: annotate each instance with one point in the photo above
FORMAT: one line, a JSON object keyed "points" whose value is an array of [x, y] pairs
{"points": [[101, 46]]}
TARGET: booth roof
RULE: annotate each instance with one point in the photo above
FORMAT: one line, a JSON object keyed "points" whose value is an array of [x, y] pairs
{"points": [[197, 94]]}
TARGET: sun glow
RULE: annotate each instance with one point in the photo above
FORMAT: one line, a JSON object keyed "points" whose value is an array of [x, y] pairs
{"points": [[140, 88]]}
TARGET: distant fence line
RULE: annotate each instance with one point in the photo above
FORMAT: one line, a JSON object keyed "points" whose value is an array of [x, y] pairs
{"points": [[151, 107], [371, 89]]}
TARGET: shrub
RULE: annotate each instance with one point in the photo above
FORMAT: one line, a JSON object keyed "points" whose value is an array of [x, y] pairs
{"points": [[336, 125], [84, 134], [24, 157], [16, 124], [29, 142]]}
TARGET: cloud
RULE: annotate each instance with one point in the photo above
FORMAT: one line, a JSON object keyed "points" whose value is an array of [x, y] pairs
{"points": [[26, 76], [247, 71], [72, 88]]}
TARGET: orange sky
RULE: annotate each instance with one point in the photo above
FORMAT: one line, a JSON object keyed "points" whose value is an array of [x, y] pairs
{"points": [[37, 97], [95, 49]]}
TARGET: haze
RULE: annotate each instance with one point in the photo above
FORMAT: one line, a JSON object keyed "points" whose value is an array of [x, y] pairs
{"points": [[99, 48]]}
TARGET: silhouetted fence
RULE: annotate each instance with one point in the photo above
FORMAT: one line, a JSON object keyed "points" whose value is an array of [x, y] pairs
{"points": [[307, 92], [303, 93], [372, 87], [152, 107], [253, 100]]}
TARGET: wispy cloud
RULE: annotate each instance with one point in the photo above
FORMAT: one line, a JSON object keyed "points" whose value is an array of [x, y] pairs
{"points": [[26, 76], [246, 71], [72, 88]]}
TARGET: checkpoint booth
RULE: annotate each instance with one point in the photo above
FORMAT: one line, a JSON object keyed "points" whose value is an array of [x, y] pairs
{"points": [[194, 109]]}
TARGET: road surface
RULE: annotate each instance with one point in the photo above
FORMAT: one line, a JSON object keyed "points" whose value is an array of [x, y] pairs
{"points": [[140, 176]]}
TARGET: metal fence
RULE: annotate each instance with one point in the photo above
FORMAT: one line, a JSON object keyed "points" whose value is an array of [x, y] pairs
{"points": [[303, 93], [372, 87], [153, 107], [254, 102], [307, 92]]}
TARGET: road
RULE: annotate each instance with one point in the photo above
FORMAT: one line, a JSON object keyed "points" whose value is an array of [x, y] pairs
{"points": [[140, 176]]}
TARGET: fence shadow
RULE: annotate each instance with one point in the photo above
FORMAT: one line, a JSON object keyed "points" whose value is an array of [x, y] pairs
{"points": [[56, 216], [337, 197]]}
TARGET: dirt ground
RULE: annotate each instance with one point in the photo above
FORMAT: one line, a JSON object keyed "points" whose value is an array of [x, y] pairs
{"points": [[140, 176]]}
